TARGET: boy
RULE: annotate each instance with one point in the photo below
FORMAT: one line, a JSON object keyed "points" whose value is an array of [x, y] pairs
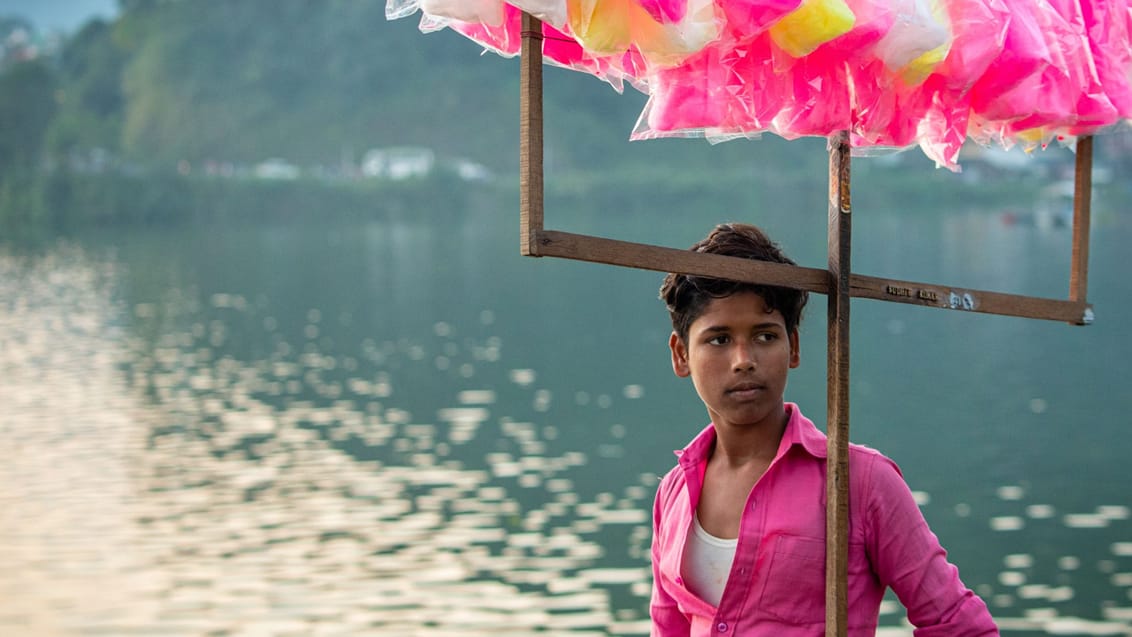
{"points": [[739, 524]]}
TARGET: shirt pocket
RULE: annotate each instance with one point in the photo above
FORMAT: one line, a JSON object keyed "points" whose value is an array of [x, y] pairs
{"points": [[794, 586]]}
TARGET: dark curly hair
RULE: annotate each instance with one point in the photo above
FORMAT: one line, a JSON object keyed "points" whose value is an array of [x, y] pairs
{"points": [[687, 296]]}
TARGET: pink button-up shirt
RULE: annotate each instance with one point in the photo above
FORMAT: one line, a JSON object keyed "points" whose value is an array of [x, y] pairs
{"points": [[776, 586]]}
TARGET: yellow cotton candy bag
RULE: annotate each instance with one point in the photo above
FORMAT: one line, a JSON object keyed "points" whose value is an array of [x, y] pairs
{"points": [[611, 27], [920, 68], [811, 25], [600, 26]]}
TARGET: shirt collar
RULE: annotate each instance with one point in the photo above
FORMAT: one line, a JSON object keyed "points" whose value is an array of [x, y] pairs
{"points": [[799, 431]]}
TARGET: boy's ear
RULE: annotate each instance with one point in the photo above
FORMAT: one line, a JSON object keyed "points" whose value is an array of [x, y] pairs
{"points": [[795, 352], [679, 356]]}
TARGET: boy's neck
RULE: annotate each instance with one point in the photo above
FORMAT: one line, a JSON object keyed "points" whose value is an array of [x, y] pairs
{"points": [[738, 445]]}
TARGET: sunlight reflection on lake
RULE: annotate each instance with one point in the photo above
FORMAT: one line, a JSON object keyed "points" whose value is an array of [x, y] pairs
{"points": [[207, 511]]}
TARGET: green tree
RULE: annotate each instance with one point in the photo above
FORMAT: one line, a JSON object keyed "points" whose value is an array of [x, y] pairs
{"points": [[91, 100], [305, 80], [27, 104]]}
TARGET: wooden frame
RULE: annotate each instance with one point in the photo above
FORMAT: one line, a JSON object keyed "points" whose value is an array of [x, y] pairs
{"points": [[837, 282]]}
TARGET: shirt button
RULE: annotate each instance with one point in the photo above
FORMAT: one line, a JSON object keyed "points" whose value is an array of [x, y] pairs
{"points": [[721, 627], [679, 580]]}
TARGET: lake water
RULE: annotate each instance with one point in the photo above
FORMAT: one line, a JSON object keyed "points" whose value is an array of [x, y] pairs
{"points": [[405, 428]]}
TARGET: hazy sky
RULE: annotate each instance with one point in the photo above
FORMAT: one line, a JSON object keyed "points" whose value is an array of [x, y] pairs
{"points": [[66, 15]]}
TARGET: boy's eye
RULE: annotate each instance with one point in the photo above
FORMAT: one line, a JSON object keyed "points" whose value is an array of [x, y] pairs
{"points": [[766, 337], [721, 339]]}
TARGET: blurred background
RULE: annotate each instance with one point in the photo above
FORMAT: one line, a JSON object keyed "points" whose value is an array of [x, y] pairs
{"points": [[272, 363]]}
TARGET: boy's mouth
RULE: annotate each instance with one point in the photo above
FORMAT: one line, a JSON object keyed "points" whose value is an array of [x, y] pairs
{"points": [[744, 390]]}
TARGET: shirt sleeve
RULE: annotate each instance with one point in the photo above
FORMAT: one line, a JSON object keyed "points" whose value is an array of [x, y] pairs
{"points": [[667, 619], [908, 557]]}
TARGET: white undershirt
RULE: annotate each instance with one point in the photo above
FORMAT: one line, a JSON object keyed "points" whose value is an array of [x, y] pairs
{"points": [[707, 563]]}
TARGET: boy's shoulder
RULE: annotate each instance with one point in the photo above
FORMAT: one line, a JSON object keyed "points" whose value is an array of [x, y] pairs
{"points": [[862, 451]]}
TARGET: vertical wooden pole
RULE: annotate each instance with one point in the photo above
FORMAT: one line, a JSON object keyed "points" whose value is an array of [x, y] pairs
{"points": [[837, 379], [530, 137], [1082, 200]]}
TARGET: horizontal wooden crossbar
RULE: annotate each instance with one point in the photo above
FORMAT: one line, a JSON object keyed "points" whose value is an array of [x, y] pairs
{"points": [[552, 243]]}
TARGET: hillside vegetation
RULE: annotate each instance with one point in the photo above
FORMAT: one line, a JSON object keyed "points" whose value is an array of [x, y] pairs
{"points": [[311, 82]]}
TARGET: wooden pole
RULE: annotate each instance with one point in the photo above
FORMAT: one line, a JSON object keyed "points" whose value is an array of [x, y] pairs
{"points": [[530, 137], [837, 383], [1082, 200]]}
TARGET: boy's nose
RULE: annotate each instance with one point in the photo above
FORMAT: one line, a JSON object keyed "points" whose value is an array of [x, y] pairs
{"points": [[744, 358]]}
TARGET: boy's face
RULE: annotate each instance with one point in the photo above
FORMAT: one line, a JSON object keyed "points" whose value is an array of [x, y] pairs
{"points": [[738, 355]]}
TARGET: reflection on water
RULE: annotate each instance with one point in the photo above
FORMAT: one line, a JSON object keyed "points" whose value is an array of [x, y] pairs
{"points": [[210, 471], [200, 509]]}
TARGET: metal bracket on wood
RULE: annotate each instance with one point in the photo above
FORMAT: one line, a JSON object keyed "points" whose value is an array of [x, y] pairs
{"points": [[837, 282]]}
